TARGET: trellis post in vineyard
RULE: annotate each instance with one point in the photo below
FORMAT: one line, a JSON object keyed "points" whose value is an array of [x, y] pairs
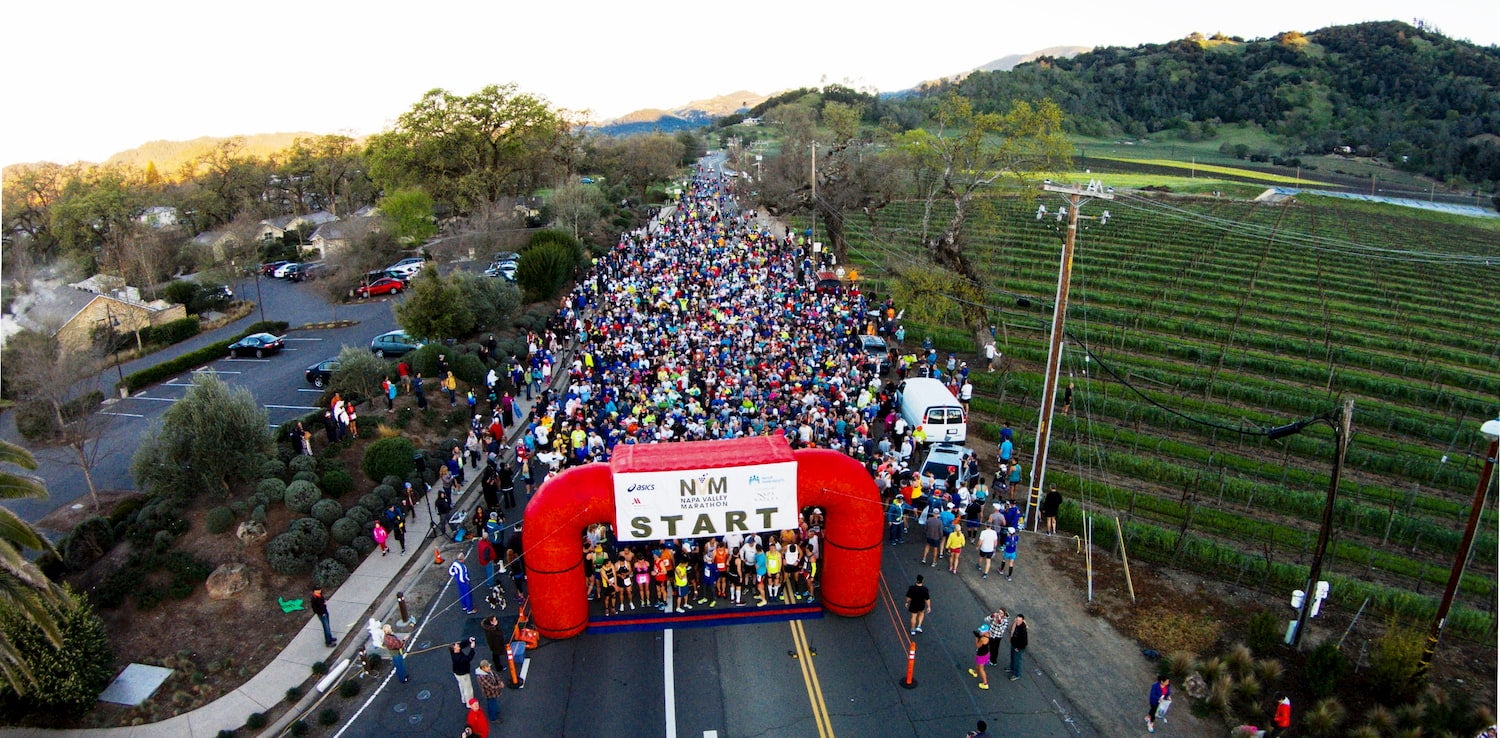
{"points": [[1076, 196]]}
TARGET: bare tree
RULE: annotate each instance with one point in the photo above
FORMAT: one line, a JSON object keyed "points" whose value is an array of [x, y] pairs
{"points": [[50, 377]]}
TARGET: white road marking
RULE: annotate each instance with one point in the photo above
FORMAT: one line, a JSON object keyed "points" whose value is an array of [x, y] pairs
{"points": [[293, 407], [525, 667], [256, 361], [311, 390], [176, 384], [154, 399], [670, 689], [206, 370], [301, 339], [122, 415], [710, 734]]}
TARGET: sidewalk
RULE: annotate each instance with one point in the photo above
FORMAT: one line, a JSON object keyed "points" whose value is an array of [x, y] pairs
{"points": [[369, 591]]}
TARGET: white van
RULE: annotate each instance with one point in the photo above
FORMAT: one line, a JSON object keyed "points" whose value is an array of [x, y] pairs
{"points": [[927, 403]]}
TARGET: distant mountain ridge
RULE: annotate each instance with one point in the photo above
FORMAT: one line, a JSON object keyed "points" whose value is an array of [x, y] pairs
{"points": [[1009, 62], [695, 114], [169, 155]]}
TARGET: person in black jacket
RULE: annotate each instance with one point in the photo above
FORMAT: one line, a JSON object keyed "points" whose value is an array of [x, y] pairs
{"points": [[1050, 505], [1019, 639], [463, 667], [495, 636]]}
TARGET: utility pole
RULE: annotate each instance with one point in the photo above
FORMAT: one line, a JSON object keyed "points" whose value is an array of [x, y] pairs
{"points": [[1075, 196], [1340, 446], [1491, 430], [814, 201]]}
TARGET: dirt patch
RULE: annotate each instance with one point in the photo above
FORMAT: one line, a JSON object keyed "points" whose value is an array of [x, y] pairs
{"points": [[67, 517]]}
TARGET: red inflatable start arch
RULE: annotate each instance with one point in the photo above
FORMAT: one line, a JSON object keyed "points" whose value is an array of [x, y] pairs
{"points": [[736, 498]]}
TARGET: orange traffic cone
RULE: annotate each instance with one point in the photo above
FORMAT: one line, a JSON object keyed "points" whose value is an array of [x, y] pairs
{"points": [[437, 556]]}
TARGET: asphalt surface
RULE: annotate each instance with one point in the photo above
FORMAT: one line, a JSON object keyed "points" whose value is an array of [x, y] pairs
{"points": [[735, 680], [276, 382]]}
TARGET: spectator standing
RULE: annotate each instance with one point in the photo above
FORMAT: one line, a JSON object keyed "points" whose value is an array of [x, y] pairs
{"points": [[918, 603], [1160, 691], [981, 730], [495, 636], [1012, 544], [1020, 638], [462, 654], [460, 574], [396, 647], [955, 544], [490, 687], [988, 538], [476, 724], [932, 529], [1050, 505], [981, 655], [320, 608], [1282, 719]]}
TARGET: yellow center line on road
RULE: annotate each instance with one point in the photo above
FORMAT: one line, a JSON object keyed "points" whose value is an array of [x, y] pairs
{"points": [[810, 679]]}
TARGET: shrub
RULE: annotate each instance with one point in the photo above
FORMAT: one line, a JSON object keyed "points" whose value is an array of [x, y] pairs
{"points": [[347, 556], [256, 721], [363, 544], [327, 511], [301, 495], [299, 728], [227, 733], [258, 514], [1323, 719], [163, 540], [330, 573], [313, 533], [359, 515], [258, 500], [293, 694], [218, 520], [306, 476], [469, 369], [328, 715], [240, 508], [303, 464], [1394, 662], [388, 456], [1325, 668], [172, 331], [287, 554], [345, 530], [349, 689], [385, 492], [544, 269], [336, 483], [89, 542], [372, 502], [1264, 632], [319, 668], [70, 678], [393, 481]]}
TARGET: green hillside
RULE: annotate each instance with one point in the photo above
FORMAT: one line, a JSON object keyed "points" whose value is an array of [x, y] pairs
{"points": [[1409, 96]]}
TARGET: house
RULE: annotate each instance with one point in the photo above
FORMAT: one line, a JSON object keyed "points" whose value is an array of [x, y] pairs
{"points": [[76, 311], [215, 242], [337, 235], [159, 216], [274, 229]]}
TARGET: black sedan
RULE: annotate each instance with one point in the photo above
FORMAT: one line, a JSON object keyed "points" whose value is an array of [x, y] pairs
{"points": [[318, 374], [256, 344]]}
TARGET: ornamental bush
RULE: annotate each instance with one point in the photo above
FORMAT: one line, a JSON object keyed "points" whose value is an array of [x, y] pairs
{"points": [[275, 468], [306, 476], [274, 489], [68, 679], [287, 554], [327, 511], [373, 503], [258, 514], [363, 544], [388, 457], [313, 533], [303, 464], [347, 556], [385, 492], [391, 480], [345, 530], [330, 573], [218, 519], [359, 515], [336, 483], [300, 496]]}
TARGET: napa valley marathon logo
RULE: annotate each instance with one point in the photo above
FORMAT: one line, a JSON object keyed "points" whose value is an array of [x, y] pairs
{"points": [[703, 492]]}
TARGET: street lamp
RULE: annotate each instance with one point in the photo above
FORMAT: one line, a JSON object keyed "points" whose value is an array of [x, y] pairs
{"points": [[1491, 431]]}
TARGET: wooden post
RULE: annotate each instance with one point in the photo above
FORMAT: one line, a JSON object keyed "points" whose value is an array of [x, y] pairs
{"points": [[1120, 535]]}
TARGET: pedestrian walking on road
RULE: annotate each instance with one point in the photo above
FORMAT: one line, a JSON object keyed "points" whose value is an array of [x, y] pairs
{"points": [[1161, 692], [1019, 639], [1012, 543], [986, 542], [320, 608], [981, 730], [490, 687], [463, 663], [460, 573], [955, 544], [918, 603], [396, 647], [981, 655]]}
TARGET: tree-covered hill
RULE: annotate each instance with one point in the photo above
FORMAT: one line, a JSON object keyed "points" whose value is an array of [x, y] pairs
{"points": [[1423, 101]]}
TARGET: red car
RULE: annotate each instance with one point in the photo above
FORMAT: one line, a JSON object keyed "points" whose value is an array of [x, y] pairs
{"points": [[382, 286]]}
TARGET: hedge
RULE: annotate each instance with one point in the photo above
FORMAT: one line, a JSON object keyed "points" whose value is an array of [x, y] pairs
{"points": [[171, 332], [216, 350]]}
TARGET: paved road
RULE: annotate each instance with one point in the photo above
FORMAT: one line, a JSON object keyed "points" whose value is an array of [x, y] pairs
{"points": [[277, 383], [738, 680]]}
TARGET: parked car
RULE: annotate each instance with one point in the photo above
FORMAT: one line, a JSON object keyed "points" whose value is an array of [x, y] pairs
{"points": [[394, 343], [505, 256], [507, 270], [256, 344], [285, 269], [382, 286], [307, 271], [945, 455], [318, 374], [876, 349], [407, 268], [269, 268]]}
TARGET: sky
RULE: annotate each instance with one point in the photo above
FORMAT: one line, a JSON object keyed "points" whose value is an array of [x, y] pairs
{"points": [[86, 79]]}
